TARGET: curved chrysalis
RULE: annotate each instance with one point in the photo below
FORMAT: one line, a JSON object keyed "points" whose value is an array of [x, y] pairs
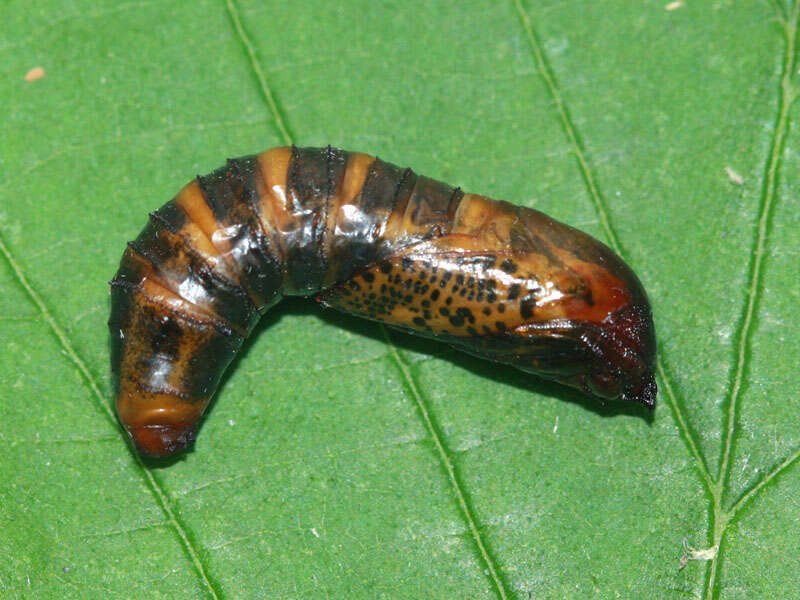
{"points": [[499, 281]]}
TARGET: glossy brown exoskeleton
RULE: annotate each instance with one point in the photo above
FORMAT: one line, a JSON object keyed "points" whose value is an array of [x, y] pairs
{"points": [[496, 280]]}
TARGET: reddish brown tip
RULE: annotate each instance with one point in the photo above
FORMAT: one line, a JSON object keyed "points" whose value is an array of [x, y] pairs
{"points": [[161, 441], [643, 391]]}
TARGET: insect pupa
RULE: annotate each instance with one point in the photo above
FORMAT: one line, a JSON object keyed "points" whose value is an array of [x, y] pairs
{"points": [[496, 280]]}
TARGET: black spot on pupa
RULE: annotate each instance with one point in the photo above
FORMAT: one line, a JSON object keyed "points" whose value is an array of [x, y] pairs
{"points": [[386, 267], [526, 308], [466, 313], [457, 320], [435, 295], [419, 321], [508, 265], [368, 277], [166, 339]]}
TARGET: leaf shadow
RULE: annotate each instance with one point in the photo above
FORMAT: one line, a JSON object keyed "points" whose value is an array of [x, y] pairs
{"points": [[504, 374]]}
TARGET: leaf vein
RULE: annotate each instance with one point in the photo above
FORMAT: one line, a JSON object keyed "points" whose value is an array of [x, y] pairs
{"points": [[98, 400], [758, 250], [263, 85], [444, 457], [280, 124], [759, 486], [545, 70], [769, 192]]}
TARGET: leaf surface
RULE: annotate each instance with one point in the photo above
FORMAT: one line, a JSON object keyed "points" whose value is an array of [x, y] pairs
{"points": [[342, 460]]}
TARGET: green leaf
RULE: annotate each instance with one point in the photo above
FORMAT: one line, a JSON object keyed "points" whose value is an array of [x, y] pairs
{"points": [[341, 461]]}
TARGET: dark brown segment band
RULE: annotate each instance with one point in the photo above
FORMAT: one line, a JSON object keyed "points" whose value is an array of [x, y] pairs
{"points": [[157, 343], [429, 206], [172, 216], [189, 276], [358, 240], [313, 176], [229, 191]]}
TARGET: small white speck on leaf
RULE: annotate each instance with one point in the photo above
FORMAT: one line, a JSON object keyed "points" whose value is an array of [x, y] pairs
{"points": [[231, 422], [314, 531], [555, 427], [734, 177], [34, 74], [674, 5], [690, 553]]}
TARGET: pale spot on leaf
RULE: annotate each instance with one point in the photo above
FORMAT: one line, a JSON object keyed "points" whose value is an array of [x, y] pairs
{"points": [[34, 74]]}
